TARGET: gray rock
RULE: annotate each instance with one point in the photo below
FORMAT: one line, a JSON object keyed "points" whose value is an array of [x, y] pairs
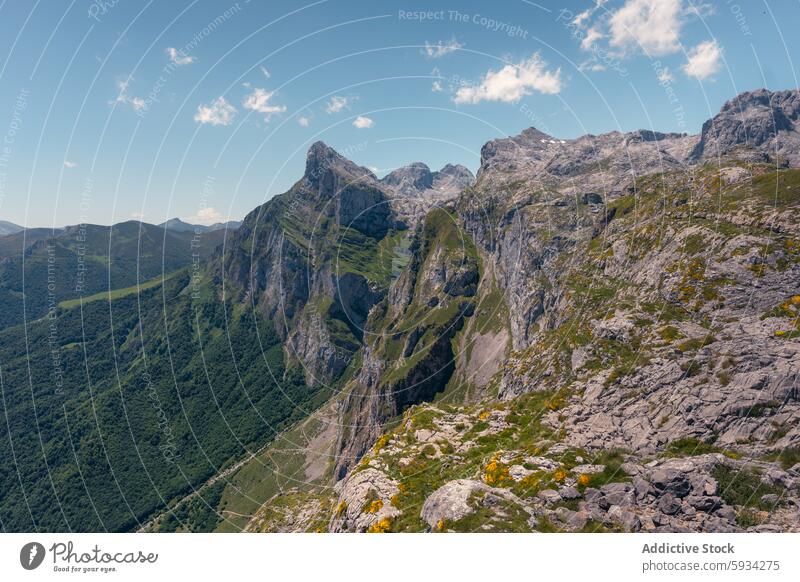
{"points": [[642, 487], [670, 481], [569, 493], [549, 496], [707, 504], [620, 494], [669, 504], [727, 513], [451, 502], [629, 521]]}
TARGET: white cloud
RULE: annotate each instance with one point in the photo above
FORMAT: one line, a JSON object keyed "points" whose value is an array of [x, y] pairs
{"points": [[512, 82], [265, 72], [178, 58], [259, 100], [701, 10], [219, 112], [590, 38], [592, 65], [437, 86], [338, 103], [68, 164], [362, 122], [583, 18], [123, 85], [704, 60], [665, 75], [207, 216], [303, 121], [440, 49], [652, 25], [138, 215]]}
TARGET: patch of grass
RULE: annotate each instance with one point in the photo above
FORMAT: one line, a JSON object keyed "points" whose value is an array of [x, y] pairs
{"points": [[691, 446], [743, 487], [669, 333], [787, 457], [119, 293], [612, 473], [695, 344]]}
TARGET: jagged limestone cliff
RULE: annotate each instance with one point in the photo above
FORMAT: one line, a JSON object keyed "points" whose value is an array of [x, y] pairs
{"points": [[598, 334]]}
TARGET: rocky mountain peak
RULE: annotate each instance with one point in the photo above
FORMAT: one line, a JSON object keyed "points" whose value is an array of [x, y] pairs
{"points": [[322, 161], [410, 179], [415, 189], [762, 120]]}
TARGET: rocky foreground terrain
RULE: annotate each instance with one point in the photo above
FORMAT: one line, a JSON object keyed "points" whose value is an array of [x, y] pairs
{"points": [[598, 334]]}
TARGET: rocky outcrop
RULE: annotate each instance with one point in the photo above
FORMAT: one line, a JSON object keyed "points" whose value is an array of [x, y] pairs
{"points": [[410, 357], [300, 259], [365, 503], [458, 499], [416, 189], [761, 126]]}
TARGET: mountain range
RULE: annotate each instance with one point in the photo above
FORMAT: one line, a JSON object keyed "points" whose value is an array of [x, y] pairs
{"points": [[594, 334]]}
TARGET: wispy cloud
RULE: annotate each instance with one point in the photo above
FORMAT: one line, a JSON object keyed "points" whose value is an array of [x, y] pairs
{"points": [[512, 82], [665, 75], [218, 112], [339, 103], [68, 164], [259, 101], [178, 58], [265, 72], [123, 85], [303, 121], [704, 60], [440, 49], [362, 122]]}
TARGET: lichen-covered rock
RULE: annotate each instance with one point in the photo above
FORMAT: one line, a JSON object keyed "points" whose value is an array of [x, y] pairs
{"points": [[365, 500], [458, 499]]}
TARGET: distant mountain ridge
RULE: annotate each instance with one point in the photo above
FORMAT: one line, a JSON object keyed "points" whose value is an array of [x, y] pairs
{"points": [[9, 228], [178, 225]]}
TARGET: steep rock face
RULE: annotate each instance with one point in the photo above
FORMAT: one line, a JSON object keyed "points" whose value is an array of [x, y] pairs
{"points": [[409, 356], [761, 124], [309, 259], [539, 208]]}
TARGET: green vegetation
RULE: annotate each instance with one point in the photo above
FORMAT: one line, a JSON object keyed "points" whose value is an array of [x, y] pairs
{"points": [[133, 415], [88, 261], [743, 487], [787, 457], [691, 446], [117, 293]]}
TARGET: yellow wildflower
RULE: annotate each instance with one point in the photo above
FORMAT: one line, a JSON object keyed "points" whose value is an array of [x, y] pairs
{"points": [[380, 526]]}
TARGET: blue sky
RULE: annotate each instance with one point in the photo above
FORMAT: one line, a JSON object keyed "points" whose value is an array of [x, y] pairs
{"points": [[114, 109]]}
